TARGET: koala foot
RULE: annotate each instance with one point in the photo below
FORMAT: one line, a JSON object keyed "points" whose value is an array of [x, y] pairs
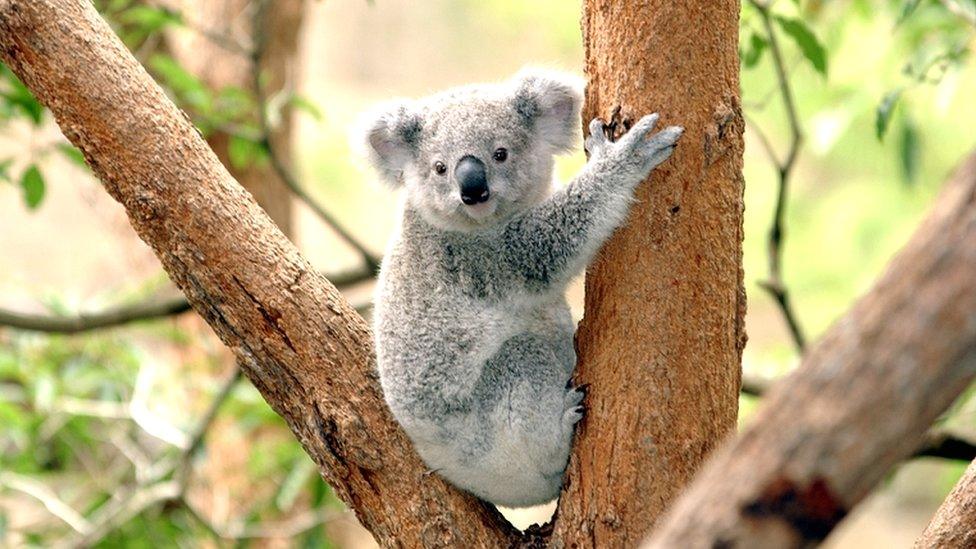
{"points": [[573, 406]]}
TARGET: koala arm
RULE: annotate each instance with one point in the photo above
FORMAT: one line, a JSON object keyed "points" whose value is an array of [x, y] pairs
{"points": [[556, 240]]}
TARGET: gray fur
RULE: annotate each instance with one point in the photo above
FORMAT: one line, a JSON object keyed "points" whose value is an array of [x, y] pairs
{"points": [[473, 334]]}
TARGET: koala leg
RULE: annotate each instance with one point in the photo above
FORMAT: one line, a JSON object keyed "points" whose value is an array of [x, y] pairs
{"points": [[531, 421]]}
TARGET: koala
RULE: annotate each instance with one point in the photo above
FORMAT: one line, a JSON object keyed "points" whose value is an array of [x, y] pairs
{"points": [[474, 337]]}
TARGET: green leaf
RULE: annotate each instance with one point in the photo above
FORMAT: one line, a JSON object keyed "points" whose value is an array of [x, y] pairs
{"points": [[20, 97], [907, 9], [72, 154], [243, 152], [5, 170], [32, 182], [808, 43], [149, 18], [174, 74], [908, 151], [308, 106], [884, 112], [752, 55]]}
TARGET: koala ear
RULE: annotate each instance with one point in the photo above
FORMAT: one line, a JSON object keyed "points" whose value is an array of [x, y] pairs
{"points": [[550, 102], [391, 135]]}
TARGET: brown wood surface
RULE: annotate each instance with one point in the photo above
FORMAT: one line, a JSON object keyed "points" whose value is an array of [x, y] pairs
{"points": [[860, 402], [299, 342], [954, 524], [661, 341]]}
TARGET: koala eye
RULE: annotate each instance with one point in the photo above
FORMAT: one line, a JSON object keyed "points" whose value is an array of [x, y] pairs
{"points": [[500, 154], [440, 168]]}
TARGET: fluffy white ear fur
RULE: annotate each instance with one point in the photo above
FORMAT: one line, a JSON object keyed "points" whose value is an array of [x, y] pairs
{"points": [[389, 135], [550, 102]]}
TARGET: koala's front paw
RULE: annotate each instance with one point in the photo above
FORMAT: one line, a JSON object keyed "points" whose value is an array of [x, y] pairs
{"points": [[646, 149], [596, 143]]}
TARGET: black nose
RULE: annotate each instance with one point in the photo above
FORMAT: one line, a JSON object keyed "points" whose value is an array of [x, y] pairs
{"points": [[470, 175]]}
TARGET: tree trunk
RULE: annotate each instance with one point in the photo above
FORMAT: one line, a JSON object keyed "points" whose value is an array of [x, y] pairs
{"points": [[954, 524], [860, 402], [661, 341], [303, 347], [220, 67]]}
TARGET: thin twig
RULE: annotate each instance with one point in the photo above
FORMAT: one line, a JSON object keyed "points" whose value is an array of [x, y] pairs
{"points": [[277, 162], [774, 284], [286, 529], [41, 492], [952, 7], [116, 513], [85, 322], [138, 312], [203, 427]]}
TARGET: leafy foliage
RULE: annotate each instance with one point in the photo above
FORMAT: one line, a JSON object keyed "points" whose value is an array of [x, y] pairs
{"points": [[806, 41]]}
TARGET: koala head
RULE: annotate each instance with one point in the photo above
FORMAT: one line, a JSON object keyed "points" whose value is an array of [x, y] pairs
{"points": [[473, 156]]}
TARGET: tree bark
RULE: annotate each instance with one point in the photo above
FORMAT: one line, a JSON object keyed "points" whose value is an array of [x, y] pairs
{"points": [[661, 341], [954, 524], [298, 341], [861, 400], [219, 67]]}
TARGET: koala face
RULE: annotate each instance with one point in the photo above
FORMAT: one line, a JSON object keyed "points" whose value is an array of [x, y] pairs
{"points": [[471, 157]]}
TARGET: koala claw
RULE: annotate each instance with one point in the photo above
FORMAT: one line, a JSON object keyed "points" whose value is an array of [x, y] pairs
{"points": [[573, 415], [596, 143]]}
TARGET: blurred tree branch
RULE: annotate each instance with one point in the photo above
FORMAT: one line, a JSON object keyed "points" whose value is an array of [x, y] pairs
{"points": [[954, 524], [277, 162], [774, 284], [937, 442], [139, 312], [960, 11]]}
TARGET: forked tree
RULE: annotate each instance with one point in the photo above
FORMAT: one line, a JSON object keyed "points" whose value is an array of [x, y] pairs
{"points": [[662, 337]]}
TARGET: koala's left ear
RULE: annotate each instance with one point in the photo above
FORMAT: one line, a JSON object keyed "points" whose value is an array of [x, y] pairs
{"points": [[550, 102], [391, 134]]}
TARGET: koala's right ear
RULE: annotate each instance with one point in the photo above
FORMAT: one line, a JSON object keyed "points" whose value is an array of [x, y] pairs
{"points": [[549, 102], [391, 134]]}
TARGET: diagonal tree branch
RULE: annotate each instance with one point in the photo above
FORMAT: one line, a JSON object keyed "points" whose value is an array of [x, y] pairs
{"points": [[298, 341], [954, 524], [861, 401], [937, 443]]}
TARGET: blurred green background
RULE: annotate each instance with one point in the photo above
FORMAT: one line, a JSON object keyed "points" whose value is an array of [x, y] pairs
{"points": [[88, 420]]}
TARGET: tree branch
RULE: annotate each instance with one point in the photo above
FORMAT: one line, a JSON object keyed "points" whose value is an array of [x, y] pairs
{"points": [[954, 524], [138, 312], [937, 443], [298, 341], [278, 164], [774, 284], [95, 321], [861, 401]]}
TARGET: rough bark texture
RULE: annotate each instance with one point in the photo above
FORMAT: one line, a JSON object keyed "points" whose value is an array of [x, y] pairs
{"points": [[954, 524], [662, 336], [301, 345], [220, 67], [861, 400]]}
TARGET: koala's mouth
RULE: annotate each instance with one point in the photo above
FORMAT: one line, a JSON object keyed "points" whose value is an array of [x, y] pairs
{"points": [[480, 211]]}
